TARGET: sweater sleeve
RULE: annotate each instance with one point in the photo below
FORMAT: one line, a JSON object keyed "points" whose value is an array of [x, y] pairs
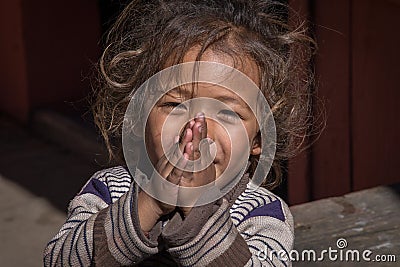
{"points": [[224, 238], [266, 224], [218, 242], [207, 236], [99, 232]]}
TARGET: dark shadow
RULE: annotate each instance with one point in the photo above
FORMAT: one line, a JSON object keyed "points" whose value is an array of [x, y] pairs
{"points": [[42, 167], [109, 11], [395, 188]]}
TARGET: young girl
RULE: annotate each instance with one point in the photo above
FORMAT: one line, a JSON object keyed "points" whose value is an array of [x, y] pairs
{"points": [[197, 135]]}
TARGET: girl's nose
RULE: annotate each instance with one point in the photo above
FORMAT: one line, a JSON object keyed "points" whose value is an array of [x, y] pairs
{"points": [[214, 129]]}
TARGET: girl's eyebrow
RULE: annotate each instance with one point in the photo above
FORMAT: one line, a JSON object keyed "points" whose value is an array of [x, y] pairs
{"points": [[181, 91], [232, 100]]}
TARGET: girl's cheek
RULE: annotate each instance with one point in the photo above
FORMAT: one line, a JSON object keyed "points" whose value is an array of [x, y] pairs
{"points": [[239, 149]]}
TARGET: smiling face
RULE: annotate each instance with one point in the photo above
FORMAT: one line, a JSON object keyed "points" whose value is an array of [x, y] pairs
{"points": [[231, 124]]}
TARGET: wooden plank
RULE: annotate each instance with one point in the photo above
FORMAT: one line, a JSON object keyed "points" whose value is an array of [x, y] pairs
{"points": [[368, 219]]}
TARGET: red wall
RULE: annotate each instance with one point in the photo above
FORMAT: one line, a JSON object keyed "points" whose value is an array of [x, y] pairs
{"points": [[13, 73], [48, 48], [357, 71], [375, 92]]}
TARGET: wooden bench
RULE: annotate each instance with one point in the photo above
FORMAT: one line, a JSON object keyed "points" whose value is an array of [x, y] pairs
{"points": [[363, 220]]}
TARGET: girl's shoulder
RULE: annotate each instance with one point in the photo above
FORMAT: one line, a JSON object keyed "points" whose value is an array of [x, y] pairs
{"points": [[257, 201], [108, 184], [117, 173]]}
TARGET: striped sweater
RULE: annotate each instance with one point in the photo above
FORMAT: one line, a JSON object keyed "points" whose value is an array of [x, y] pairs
{"points": [[102, 229]]}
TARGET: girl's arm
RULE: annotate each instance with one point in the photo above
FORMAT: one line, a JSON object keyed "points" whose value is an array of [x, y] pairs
{"points": [[102, 225]]}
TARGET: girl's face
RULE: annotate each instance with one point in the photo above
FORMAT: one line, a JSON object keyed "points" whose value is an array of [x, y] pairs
{"points": [[227, 146]]}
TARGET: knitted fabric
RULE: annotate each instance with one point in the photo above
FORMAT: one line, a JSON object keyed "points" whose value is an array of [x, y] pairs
{"points": [[102, 229]]}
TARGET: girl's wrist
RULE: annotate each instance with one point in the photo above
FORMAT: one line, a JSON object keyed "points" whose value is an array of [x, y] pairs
{"points": [[148, 212]]}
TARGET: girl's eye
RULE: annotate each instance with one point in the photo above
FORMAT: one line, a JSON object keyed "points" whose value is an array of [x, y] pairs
{"points": [[170, 104], [174, 107], [229, 116]]}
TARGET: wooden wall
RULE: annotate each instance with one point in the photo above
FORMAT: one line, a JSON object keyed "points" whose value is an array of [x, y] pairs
{"points": [[357, 69], [47, 50], [13, 74]]}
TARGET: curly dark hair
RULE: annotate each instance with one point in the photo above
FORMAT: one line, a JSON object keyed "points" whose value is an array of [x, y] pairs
{"points": [[150, 34]]}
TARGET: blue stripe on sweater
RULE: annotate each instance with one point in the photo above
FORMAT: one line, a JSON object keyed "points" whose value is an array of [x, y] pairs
{"points": [[129, 201], [265, 236], [119, 186], [52, 252], [85, 240], [219, 242], [75, 237], [273, 209], [258, 194], [248, 202], [119, 229], [242, 207], [62, 251], [211, 236], [267, 258], [266, 244], [119, 191], [74, 221], [99, 189], [113, 234], [74, 212], [79, 257]]}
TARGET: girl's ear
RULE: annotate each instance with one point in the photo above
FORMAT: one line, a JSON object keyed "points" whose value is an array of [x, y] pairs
{"points": [[256, 145]]}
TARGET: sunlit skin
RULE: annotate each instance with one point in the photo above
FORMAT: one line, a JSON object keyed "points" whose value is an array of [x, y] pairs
{"points": [[196, 129]]}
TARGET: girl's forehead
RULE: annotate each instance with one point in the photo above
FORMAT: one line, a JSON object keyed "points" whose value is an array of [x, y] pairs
{"points": [[202, 89], [240, 62], [242, 98], [214, 75]]}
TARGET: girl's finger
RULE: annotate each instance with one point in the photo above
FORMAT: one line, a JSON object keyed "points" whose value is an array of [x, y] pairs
{"points": [[175, 154], [177, 172], [196, 140], [205, 150], [188, 152], [199, 133], [188, 125], [202, 119]]}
